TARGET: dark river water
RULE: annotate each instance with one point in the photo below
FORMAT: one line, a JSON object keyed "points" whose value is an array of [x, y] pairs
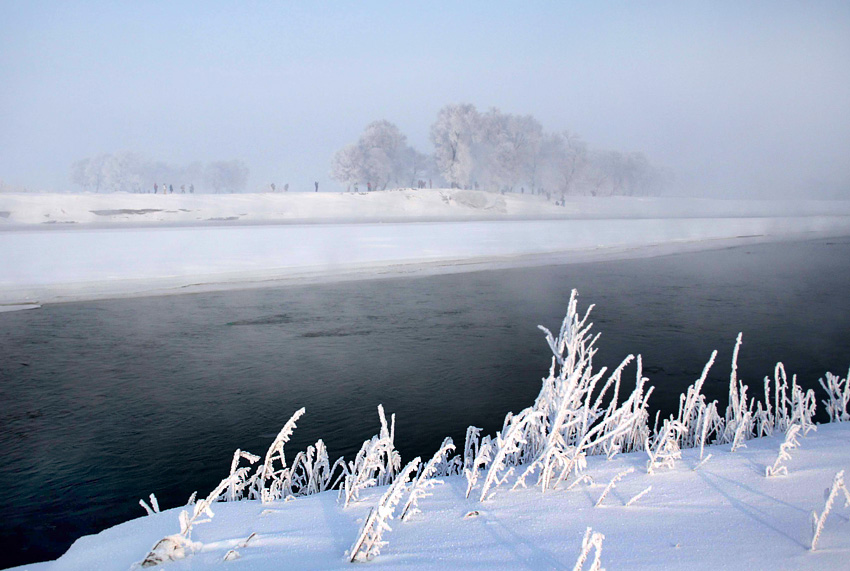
{"points": [[103, 403]]}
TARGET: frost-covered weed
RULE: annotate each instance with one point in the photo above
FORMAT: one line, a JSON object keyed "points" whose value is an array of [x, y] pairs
{"points": [[789, 444], [179, 545], [611, 486], [375, 464], [153, 508], [426, 480], [665, 450], [592, 539], [239, 476], [831, 493], [639, 495], [838, 391], [312, 472], [480, 462], [508, 448], [272, 483], [369, 543]]}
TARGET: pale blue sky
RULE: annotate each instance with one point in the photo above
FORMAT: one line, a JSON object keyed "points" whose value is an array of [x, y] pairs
{"points": [[734, 96]]}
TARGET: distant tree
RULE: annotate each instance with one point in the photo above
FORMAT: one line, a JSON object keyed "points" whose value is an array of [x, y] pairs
{"points": [[512, 144], [131, 172], [230, 176], [453, 134], [347, 166], [380, 157]]}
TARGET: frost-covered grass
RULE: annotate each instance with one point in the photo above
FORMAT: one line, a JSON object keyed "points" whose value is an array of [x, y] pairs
{"points": [[571, 462]]}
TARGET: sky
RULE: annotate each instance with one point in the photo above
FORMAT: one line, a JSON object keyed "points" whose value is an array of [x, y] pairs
{"points": [[737, 98]]}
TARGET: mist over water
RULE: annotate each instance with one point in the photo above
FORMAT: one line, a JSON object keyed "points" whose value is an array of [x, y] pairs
{"points": [[103, 403]]}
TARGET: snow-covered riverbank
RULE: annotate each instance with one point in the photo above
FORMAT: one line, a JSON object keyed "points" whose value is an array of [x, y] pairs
{"points": [[724, 515], [123, 244]]}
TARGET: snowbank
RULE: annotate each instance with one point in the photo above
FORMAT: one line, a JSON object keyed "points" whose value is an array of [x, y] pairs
{"points": [[65, 247], [724, 515], [120, 209]]}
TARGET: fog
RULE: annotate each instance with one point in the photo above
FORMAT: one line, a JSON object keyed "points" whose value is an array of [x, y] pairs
{"points": [[737, 100]]}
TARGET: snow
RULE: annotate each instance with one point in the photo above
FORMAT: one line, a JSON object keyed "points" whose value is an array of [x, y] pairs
{"points": [[69, 247], [724, 515]]}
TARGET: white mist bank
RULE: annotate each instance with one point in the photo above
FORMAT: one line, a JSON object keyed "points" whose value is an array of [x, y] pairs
{"points": [[104, 246]]}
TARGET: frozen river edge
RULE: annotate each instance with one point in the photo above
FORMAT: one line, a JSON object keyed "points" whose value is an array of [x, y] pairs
{"points": [[76, 263]]}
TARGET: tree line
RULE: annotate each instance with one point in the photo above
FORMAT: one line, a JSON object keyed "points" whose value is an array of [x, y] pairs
{"points": [[494, 151], [131, 172]]}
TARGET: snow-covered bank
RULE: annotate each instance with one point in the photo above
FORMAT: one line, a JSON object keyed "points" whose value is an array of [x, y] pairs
{"points": [[724, 515], [403, 205], [80, 261]]}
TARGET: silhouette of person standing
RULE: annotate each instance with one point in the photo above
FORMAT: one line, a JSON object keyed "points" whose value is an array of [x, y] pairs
{"points": [[317, 186]]}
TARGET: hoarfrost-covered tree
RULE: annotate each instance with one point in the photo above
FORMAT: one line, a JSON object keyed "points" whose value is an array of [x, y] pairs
{"points": [[508, 148], [453, 134], [228, 176], [126, 171], [347, 166], [379, 158]]}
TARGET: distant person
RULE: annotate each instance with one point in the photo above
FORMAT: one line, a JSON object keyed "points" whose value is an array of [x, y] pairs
{"points": [[369, 186], [191, 189], [155, 188], [429, 183], [273, 187], [182, 189], [170, 189], [286, 187], [355, 187], [317, 186]]}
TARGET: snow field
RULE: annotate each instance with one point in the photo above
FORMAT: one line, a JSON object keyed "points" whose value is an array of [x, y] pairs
{"points": [[725, 515]]}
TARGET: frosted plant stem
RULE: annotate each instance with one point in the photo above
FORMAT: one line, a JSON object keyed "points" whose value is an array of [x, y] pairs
{"points": [[703, 461], [636, 497], [591, 539], [819, 521], [611, 485]]}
